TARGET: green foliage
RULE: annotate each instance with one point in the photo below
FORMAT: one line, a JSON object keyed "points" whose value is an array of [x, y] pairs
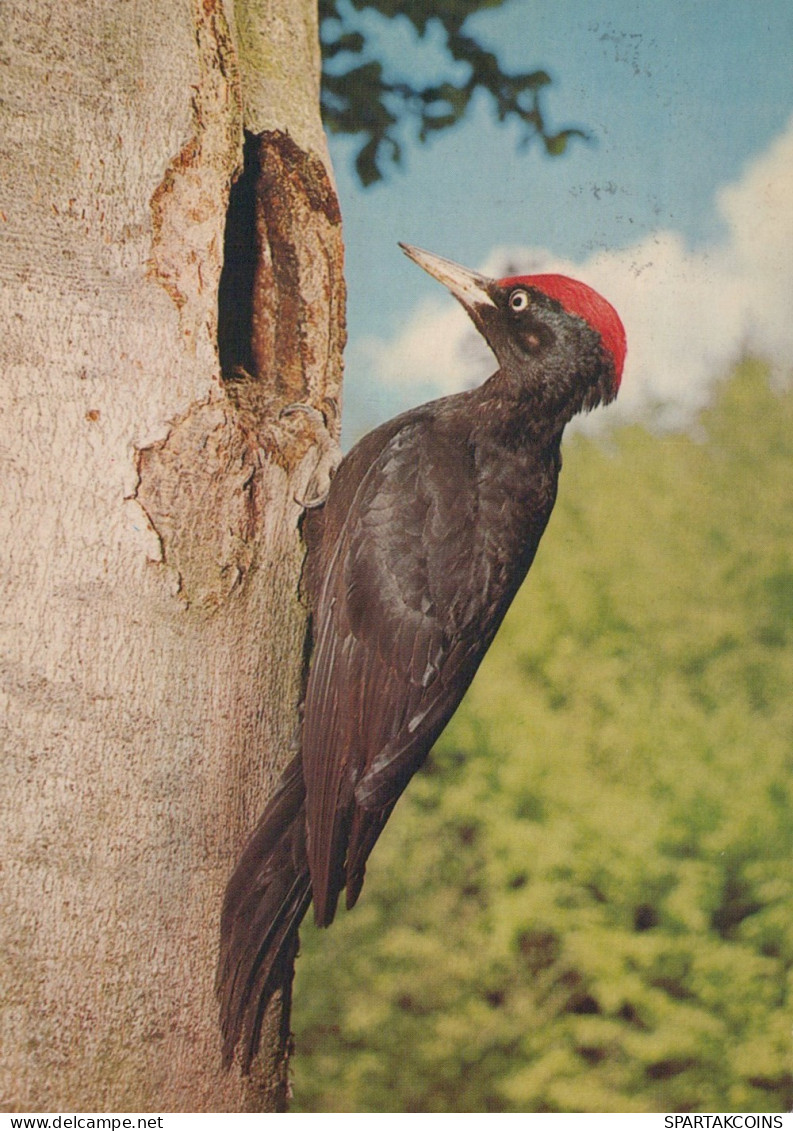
{"points": [[583, 903], [359, 97]]}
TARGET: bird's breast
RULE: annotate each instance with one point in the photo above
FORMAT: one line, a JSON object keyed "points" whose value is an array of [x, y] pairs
{"points": [[517, 492], [513, 496]]}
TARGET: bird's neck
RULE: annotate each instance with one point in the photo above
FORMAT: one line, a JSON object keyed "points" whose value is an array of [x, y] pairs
{"points": [[509, 413]]}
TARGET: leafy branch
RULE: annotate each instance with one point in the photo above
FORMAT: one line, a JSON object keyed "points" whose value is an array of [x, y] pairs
{"points": [[359, 99]]}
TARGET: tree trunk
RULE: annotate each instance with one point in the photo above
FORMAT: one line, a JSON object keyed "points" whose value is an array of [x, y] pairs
{"points": [[152, 637]]}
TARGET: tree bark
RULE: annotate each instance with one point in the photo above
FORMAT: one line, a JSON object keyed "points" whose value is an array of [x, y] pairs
{"points": [[152, 636]]}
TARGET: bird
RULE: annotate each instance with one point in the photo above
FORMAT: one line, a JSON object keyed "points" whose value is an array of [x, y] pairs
{"points": [[429, 526]]}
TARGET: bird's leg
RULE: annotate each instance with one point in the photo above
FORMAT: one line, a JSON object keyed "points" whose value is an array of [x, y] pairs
{"points": [[328, 456]]}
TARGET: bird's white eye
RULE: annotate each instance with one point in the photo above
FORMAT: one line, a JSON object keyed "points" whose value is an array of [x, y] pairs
{"points": [[518, 301]]}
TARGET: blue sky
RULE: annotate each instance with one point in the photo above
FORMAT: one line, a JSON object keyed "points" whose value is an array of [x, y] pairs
{"points": [[681, 99]]}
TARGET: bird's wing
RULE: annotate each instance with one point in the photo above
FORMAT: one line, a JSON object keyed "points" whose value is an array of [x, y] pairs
{"points": [[398, 636]]}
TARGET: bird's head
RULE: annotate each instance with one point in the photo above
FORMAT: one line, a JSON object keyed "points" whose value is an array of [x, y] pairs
{"points": [[556, 340]]}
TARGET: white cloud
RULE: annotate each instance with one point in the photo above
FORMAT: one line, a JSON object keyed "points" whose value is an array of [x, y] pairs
{"points": [[689, 314]]}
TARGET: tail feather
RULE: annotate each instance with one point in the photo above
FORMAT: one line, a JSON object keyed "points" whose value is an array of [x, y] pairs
{"points": [[266, 899]]}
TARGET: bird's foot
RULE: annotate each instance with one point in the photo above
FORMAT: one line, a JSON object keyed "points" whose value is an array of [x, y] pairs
{"points": [[326, 454]]}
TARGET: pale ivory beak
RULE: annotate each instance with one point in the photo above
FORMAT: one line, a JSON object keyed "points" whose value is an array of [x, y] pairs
{"points": [[468, 287]]}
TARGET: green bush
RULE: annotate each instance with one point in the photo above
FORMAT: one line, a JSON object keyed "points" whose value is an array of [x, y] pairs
{"points": [[583, 902]]}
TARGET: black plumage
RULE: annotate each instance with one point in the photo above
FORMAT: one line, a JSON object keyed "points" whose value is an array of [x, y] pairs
{"points": [[429, 528]]}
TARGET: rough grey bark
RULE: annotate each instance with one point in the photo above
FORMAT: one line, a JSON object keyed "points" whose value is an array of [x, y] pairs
{"points": [[151, 640]]}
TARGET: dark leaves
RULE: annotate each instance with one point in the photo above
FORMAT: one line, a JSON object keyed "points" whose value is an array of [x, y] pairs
{"points": [[359, 98]]}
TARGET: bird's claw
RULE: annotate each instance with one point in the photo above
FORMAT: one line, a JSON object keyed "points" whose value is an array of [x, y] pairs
{"points": [[312, 504], [312, 413], [326, 452]]}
